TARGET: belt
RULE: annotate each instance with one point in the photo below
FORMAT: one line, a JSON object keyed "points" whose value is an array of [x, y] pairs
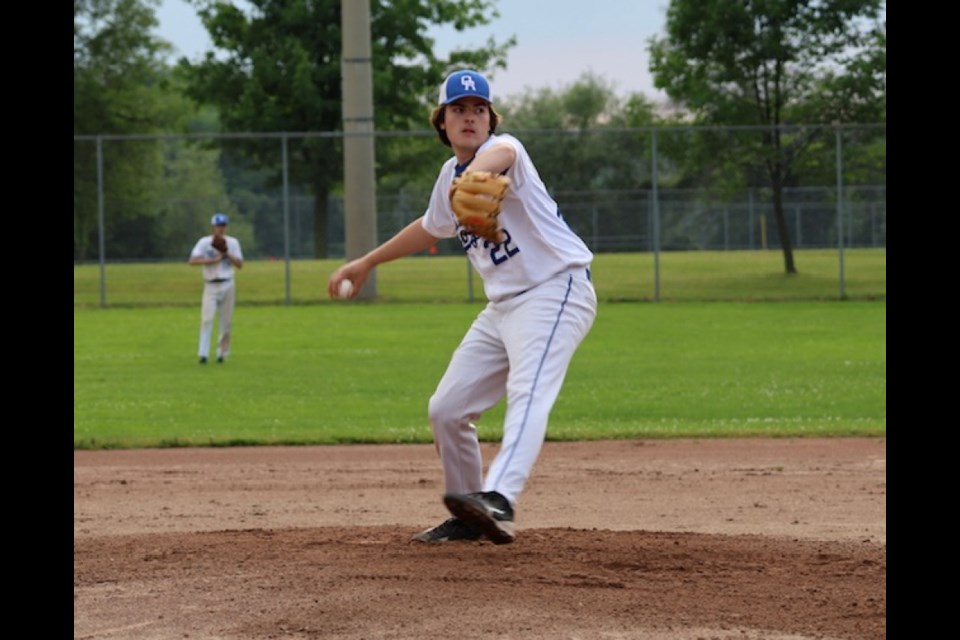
{"points": [[216, 280], [578, 270], [573, 271]]}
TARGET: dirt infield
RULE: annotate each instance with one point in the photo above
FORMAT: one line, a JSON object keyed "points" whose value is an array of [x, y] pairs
{"points": [[781, 539]]}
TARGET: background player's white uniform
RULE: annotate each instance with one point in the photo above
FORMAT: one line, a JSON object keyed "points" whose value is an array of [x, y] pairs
{"points": [[219, 294], [541, 306]]}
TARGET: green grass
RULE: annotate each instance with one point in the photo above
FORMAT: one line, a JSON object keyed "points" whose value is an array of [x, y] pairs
{"points": [[347, 372], [683, 276]]}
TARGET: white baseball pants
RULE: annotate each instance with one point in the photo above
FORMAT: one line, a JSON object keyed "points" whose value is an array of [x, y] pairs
{"points": [[519, 348], [218, 298]]}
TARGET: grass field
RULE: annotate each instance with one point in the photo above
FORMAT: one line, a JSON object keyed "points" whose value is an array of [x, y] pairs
{"points": [[347, 372], [682, 276]]}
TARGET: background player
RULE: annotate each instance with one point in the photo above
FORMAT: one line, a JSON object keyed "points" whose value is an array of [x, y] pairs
{"points": [[219, 292], [541, 305]]}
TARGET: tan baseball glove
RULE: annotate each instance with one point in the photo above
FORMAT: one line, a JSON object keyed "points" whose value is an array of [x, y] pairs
{"points": [[219, 243], [476, 197]]}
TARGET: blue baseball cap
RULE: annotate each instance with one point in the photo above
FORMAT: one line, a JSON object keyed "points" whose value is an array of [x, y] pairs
{"points": [[219, 219], [464, 84]]}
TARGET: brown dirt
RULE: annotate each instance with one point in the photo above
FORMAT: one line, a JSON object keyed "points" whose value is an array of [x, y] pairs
{"points": [[781, 539]]}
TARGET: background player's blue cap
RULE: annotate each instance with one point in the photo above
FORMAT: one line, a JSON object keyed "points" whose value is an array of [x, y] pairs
{"points": [[464, 84], [219, 219]]}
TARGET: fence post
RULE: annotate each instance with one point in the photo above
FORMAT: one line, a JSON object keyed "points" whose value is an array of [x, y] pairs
{"points": [[101, 225], [799, 223], [286, 218], [593, 226], [656, 217], [726, 227], [837, 136], [469, 279]]}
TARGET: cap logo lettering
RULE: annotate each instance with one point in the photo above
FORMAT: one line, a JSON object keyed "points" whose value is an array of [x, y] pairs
{"points": [[468, 83]]}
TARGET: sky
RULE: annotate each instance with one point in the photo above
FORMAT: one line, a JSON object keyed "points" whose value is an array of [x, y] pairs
{"points": [[557, 41]]}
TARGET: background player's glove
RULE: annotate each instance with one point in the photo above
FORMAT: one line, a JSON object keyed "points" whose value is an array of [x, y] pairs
{"points": [[475, 198], [220, 244]]}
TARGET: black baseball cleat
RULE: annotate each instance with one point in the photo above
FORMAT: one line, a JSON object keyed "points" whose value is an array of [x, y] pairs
{"points": [[488, 511], [448, 530], [220, 359], [203, 360]]}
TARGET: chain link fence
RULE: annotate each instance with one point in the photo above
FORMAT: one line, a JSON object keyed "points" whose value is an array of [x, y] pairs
{"points": [[147, 199]]}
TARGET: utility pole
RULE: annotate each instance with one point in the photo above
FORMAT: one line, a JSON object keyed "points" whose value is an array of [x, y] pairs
{"points": [[360, 190]]}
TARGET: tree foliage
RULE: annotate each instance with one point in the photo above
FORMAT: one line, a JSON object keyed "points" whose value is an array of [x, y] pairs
{"points": [[122, 86], [772, 63], [586, 111], [277, 68], [586, 120], [118, 69]]}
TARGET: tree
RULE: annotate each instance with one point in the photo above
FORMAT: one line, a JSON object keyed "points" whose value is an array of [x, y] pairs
{"points": [[117, 68], [120, 86], [772, 63], [588, 162], [580, 111], [280, 71]]}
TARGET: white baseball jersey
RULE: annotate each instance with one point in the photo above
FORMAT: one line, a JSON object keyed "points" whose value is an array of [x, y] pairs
{"points": [[539, 242], [218, 271]]}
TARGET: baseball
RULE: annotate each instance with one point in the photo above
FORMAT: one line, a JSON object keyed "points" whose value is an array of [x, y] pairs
{"points": [[346, 288]]}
